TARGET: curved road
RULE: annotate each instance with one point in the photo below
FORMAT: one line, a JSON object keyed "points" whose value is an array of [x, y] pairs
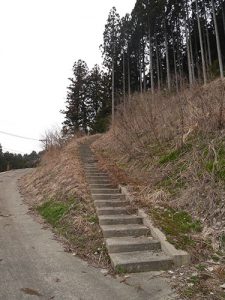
{"points": [[34, 266]]}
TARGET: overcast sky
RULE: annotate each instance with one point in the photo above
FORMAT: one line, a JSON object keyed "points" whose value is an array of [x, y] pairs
{"points": [[40, 41]]}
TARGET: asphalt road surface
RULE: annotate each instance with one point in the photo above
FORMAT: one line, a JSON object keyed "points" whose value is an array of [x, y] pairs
{"points": [[33, 265]]}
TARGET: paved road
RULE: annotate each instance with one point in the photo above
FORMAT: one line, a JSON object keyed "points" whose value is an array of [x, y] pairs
{"points": [[34, 266]]}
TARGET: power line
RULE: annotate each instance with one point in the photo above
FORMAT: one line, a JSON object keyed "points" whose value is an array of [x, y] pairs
{"points": [[19, 136]]}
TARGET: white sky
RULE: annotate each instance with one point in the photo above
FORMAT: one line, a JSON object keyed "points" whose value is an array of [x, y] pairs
{"points": [[39, 42]]}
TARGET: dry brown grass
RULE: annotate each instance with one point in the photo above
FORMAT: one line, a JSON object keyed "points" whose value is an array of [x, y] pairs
{"points": [[170, 149], [59, 175], [60, 178]]}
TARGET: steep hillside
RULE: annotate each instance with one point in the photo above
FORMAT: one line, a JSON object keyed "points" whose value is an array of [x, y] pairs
{"points": [[170, 152]]}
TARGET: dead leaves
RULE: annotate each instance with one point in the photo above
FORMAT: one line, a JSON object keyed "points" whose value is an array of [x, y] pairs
{"points": [[32, 292]]}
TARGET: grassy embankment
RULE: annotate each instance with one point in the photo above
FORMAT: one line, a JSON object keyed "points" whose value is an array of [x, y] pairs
{"points": [[57, 190], [170, 152]]}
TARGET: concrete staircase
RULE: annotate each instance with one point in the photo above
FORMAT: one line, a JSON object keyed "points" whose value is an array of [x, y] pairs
{"points": [[130, 245]]}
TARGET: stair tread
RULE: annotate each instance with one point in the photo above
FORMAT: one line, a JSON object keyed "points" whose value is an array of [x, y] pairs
{"points": [[113, 195], [123, 227], [125, 234], [130, 240], [111, 217], [108, 201], [107, 189], [113, 207], [138, 257]]}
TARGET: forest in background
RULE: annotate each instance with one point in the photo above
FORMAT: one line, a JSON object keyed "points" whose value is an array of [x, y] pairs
{"points": [[163, 45], [9, 161]]}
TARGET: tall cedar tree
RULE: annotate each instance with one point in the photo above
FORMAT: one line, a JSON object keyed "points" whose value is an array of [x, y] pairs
{"points": [[162, 44]]}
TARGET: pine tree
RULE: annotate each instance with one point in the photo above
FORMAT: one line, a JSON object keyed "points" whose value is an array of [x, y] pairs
{"points": [[77, 104]]}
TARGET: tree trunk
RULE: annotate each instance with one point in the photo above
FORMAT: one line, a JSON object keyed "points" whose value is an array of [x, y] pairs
{"points": [[205, 47], [175, 66], [113, 92], [223, 15], [140, 70], [188, 47], [143, 62], [196, 58], [124, 80], [192, 60], [128, 73], [151, 62], [207, 37], [161, 69], [167, 63], [201, 44], [179, 56], [217, 40], [157, 65], [191, 48]]}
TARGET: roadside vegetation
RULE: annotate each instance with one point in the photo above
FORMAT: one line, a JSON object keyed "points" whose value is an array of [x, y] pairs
{"points": [[56, 190]]}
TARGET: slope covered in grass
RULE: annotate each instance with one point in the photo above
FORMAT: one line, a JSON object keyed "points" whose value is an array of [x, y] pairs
{"points": [[170, 152], [170, 149], [57, 190]]}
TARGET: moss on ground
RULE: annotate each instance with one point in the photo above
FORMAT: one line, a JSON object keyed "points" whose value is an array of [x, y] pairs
{"points": [[174, 154], [52, 211], [173, 183], [79, 226], [177, 225]]}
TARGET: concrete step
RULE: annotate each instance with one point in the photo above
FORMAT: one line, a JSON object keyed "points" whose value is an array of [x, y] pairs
{"points": [[97, 177], [96, 180], [120, 219], [127, 241], [95, 173], [130, 244], [108, 196], [112, 203], [140, 261], [105, 211], [124, 230], [105, 191], [90, 159], [90, 167], [91, 171], [102, 186]]}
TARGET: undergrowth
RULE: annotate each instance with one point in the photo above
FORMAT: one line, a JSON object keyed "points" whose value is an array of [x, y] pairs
{"points": [[57, 190], [79, 227], [53, 211], [177, 225], [171, 151]]}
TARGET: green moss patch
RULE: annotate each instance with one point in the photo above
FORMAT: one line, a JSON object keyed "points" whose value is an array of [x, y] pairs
{"points": [[174, 183], [77, 223], [174, 155], [177, 225], [53, 211]]}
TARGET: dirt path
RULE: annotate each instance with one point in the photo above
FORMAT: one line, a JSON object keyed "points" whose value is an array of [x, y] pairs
{"points": [[33, 265]]}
